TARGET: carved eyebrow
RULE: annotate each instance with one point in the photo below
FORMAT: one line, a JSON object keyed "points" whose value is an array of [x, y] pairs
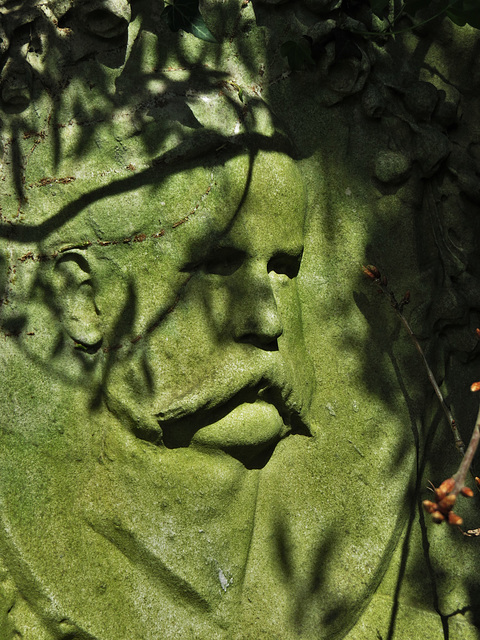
{"points": [[73, 257]]}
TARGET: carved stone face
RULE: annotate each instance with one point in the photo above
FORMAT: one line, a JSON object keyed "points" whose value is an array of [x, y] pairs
{"points": [[212, 351], [223, 364]]}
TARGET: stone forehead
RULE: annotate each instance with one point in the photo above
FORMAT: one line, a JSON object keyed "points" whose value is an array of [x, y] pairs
{"points": [[196, 199]]}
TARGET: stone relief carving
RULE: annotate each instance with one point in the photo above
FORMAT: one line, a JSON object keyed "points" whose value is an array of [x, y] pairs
{"points": [[200, 438]]}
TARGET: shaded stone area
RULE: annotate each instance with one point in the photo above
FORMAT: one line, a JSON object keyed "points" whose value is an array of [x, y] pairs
{"points": [[211, 426]]}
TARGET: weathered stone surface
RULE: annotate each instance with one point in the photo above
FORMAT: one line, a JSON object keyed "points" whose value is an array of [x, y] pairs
{"points": [[211, 427]]}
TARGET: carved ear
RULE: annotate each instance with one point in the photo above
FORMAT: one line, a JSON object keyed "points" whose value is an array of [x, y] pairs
{"points": [[76, 299]]}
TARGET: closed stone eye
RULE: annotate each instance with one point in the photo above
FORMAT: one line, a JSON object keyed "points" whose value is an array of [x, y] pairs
{"points": [[224, 261]]}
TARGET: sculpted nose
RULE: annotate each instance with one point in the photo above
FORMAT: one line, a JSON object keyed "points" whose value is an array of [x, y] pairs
{"points": [[257, 320]]}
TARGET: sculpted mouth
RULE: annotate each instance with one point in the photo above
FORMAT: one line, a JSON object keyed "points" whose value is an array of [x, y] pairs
{"points": [[240, 408], [246, 425]]}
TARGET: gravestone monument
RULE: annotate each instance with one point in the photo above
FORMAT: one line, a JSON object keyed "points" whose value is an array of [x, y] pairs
{"points": [[211, 427]]}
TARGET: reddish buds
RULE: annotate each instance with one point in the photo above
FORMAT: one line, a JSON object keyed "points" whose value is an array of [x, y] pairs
{"points": [[406, 298], [446, 497], [438, 517], [446, 486], [477, 480], [447, 503], [477, 333], [454, 519], [475, 386], [429, 506], [372, 272]]}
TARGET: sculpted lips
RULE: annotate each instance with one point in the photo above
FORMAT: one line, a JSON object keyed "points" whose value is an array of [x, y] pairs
{"points": [[250, 425], [244, 423]]}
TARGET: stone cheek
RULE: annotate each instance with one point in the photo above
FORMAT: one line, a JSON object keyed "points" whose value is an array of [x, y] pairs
{"points": [[210, 426]]}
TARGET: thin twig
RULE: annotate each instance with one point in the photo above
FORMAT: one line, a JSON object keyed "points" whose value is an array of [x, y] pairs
{"points": [[447, 493], [374, 274], [466, 463], [448, 414]]}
